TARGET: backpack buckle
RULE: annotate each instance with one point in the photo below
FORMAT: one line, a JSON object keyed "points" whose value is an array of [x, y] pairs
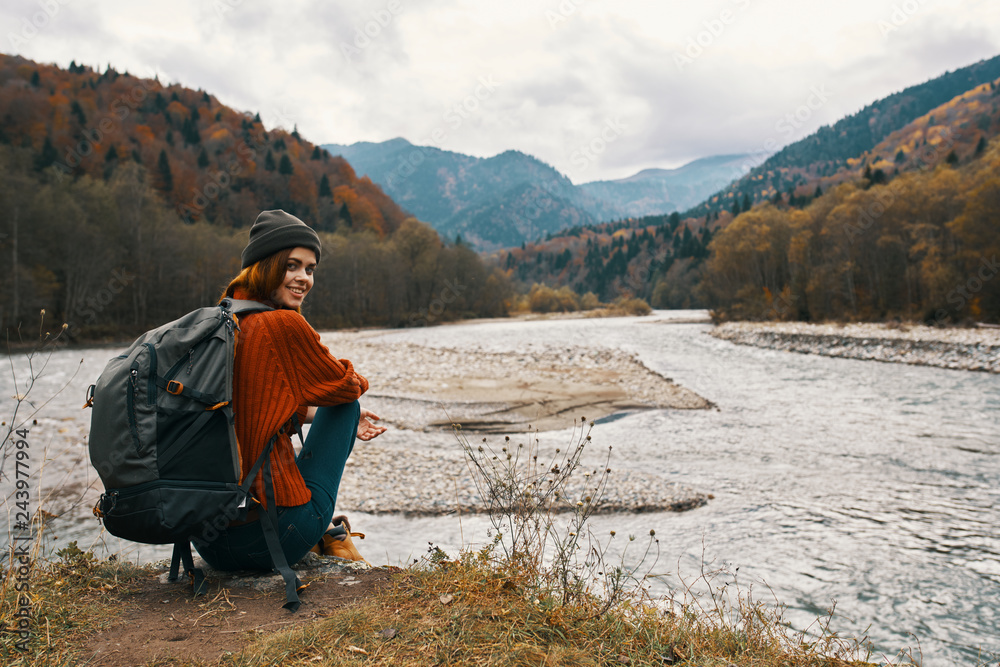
{"points": [[174, 387], [101, 508]]}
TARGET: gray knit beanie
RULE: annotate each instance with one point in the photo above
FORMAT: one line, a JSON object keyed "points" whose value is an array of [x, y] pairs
{"points": [[277, 230]]}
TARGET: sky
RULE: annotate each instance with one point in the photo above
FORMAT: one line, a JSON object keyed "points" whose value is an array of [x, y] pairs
{"points": [[599, 89]]}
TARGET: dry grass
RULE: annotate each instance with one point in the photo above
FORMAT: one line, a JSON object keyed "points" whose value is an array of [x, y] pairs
{"points": [[467, 612], [69, 599]]}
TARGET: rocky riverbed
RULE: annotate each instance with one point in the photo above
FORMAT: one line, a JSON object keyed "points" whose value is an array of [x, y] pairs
{"points": [[961, 349], [542, 388]]}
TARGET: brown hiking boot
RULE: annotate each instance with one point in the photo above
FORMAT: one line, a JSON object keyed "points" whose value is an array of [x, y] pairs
{"points": [[337, 541]]}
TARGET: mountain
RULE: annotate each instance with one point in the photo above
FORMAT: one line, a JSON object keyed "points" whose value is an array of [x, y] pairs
{"points": [[905, 228], [832, 154], [526, 211], [510, 198], [657, 191], [127, 203], [483, 199], [951, 132], [206, 160]]}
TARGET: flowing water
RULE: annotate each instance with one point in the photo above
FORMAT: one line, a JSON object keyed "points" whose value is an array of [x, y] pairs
{"points": [[872, 487]]}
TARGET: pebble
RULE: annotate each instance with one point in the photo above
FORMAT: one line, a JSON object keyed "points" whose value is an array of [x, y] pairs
{"points": [[393, 367], [382, 480], [955, 348]]}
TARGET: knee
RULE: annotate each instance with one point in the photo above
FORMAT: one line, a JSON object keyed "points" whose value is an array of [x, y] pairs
{"points": [[350, 408], [350, 411]]}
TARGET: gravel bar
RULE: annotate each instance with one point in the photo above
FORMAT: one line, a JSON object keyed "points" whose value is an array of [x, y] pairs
{"points": [[959, 349], [382, 480]]}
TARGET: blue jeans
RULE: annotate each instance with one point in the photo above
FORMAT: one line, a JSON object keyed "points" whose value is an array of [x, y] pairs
{"points": [[321, 462]]}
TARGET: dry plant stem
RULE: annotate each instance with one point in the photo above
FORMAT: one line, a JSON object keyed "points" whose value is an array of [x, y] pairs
{"points": [[540, 532], [45, 346], [46, 343]]}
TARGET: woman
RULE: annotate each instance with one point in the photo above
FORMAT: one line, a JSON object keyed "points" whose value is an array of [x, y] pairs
{"points": [[281, 369]]}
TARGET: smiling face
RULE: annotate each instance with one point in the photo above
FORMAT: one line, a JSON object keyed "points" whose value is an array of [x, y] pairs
{"points": [[298, 278]]}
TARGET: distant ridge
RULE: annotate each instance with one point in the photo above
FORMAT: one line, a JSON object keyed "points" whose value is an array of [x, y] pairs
{"points": [[512, 198], [644, 193]]}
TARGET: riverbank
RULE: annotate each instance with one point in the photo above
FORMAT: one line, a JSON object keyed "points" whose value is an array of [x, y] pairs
{"points": [[470, 610], [954, 348]]}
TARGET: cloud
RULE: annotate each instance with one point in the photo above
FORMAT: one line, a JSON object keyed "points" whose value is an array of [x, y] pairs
{"points": [[560, 70]]}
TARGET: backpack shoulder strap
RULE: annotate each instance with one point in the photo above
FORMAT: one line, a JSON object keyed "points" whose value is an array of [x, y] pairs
{"points": [[240, 306]]}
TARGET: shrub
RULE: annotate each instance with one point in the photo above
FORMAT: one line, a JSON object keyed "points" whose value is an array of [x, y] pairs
{"points": [[633, 306], [589, 301], [544, 299]]}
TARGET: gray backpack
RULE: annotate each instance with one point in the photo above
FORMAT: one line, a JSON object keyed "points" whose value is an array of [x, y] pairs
{"points": [[162, 439]]}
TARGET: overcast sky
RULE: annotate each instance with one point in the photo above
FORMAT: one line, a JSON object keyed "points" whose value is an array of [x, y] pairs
{"points": [[596, 88]]}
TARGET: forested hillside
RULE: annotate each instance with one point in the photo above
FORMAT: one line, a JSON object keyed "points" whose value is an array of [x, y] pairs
{"points": [[655, 258], [206, 161], [924, 246], [901, 233], [126, 203], [835, 154]]}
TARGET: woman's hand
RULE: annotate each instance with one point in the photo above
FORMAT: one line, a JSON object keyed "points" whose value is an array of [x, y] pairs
{"points": [[366, 429]]}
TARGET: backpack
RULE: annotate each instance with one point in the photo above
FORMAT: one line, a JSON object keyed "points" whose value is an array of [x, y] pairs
{"points": [[162, 439]]}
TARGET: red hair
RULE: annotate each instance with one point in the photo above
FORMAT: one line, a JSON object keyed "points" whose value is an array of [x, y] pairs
{"points": [[262, 279]]}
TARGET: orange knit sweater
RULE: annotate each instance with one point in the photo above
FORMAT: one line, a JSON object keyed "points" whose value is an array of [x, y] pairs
{"points": [[281, 368]]}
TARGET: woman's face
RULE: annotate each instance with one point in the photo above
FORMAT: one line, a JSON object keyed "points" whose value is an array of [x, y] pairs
{"points": [[298, 278]]}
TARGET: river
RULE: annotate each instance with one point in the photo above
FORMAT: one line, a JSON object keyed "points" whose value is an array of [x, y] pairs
{"points": [[872, 487]]}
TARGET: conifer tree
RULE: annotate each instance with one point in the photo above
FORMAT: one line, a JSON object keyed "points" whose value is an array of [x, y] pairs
{"points": [[48, 155], [190, 132], [345, 215], [77, 111], [166, 177]]}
